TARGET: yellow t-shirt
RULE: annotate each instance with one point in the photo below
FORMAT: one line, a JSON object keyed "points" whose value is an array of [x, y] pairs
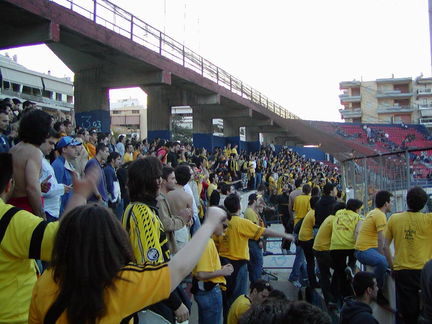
{"points": [[128, 157], [323, 238], [306, 229], [17, 271], [234, 244], [238, 308], [301, 207], [210, 262], [141, 286], [412, 235], [210, 189], [374, 222], [251, 215], [343, 233]]}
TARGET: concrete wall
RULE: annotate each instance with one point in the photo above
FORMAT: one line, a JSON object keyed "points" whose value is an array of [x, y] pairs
{"points": [[310, 152]]}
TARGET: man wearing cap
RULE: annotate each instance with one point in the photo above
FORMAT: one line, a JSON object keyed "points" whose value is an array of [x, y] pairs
{"points": [[100, 192], [63, 169]]}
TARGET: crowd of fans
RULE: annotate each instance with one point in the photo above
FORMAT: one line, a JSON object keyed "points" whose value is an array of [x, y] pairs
{"points": [[136, 218]]}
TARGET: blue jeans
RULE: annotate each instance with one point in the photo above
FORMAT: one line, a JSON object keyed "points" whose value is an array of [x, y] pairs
{"points": [[373, 258], [255, 263], [299, 271], [236, 284], [209, 306], [258, 179]]}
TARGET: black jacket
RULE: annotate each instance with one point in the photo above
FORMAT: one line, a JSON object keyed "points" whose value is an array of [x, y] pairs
{"points": [[323, 208], [355, 312]]}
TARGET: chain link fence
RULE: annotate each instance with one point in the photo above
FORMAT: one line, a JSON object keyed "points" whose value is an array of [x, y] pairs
{"points": [[363, 177]]}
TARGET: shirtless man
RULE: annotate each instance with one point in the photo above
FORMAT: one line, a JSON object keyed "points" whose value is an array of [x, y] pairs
{"points": [[27, 161], [179, 199]]}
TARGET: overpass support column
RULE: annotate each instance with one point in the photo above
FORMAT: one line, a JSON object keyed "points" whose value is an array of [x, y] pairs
{"points": [[202, 129], [159, 102], [231, 131], [252, 139], [91, 101]]}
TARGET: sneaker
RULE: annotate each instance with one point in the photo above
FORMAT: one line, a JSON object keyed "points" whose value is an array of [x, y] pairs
{"points": [[296, 283], [267, 253], [349, 273], [287, 252]]}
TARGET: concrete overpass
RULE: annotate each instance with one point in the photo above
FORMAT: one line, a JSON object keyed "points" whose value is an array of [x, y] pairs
{"points": [[107, 47]]}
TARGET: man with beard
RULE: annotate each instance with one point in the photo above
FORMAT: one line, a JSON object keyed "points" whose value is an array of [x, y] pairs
{"points": [[171, 222], [357, 310]]}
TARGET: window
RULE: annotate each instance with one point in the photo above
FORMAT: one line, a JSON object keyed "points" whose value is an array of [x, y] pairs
{"points": [[6, 85], [16, 87], [27, 90], [58, 96], [69, 99], [135, 111], [47, 94], [116, 112]]}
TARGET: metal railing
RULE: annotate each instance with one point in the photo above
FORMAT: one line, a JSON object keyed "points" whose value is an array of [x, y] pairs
{"points": [[397, 172], [126, 24]]}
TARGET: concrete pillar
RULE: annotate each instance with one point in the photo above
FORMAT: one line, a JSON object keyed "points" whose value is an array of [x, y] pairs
{"points": [[91, 101], [231, 131], [202, 123], [252, 139], [160, 99]]}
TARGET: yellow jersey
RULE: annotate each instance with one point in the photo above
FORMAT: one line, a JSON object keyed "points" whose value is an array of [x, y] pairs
{"points": [[343, 232], [136, 288], [148, 238], [301, 207], [374, 222], [234, 244], [210, 262], [306, 229], [238, 308], [27, 237], [412, 237], [323, 237]]}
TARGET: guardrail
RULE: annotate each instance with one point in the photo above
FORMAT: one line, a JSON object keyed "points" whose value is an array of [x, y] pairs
{"points": [[126, 24]]}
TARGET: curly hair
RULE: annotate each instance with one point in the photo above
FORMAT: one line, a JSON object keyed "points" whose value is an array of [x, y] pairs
{"points": [[34, 127]]}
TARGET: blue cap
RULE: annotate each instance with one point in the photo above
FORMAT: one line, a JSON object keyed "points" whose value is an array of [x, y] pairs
{"points": [[67, 141]]}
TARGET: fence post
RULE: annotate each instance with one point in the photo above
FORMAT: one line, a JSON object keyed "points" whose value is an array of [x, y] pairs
{"points": [[202, 66], [217, 75], [131, 27], [94, 10], [183, 55], [160, 43], [407, 161], [230, 83], [366, 189]]}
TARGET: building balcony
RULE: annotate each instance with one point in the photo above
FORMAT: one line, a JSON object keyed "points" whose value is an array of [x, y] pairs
{"points": [[350, 113], [394, 80], [397, 94], [424, 92], [421, 80], [425, 110], [394, 109], [426, 122], [349, 98], [349, 84]]}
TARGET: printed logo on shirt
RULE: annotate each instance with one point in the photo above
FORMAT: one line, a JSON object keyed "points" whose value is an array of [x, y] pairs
{"points": [[409, 234], [153, 254]]}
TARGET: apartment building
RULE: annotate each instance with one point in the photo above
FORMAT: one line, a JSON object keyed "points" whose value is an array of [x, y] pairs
{"points": [[50, 93], [129, 116], [388, 100]]}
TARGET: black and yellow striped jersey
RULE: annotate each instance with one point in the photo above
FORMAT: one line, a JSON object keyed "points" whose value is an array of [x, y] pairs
{"points": [[147, 234]]}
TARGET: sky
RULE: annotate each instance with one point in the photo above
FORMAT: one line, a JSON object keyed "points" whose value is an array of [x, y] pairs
{"points": [[294, 52]]}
